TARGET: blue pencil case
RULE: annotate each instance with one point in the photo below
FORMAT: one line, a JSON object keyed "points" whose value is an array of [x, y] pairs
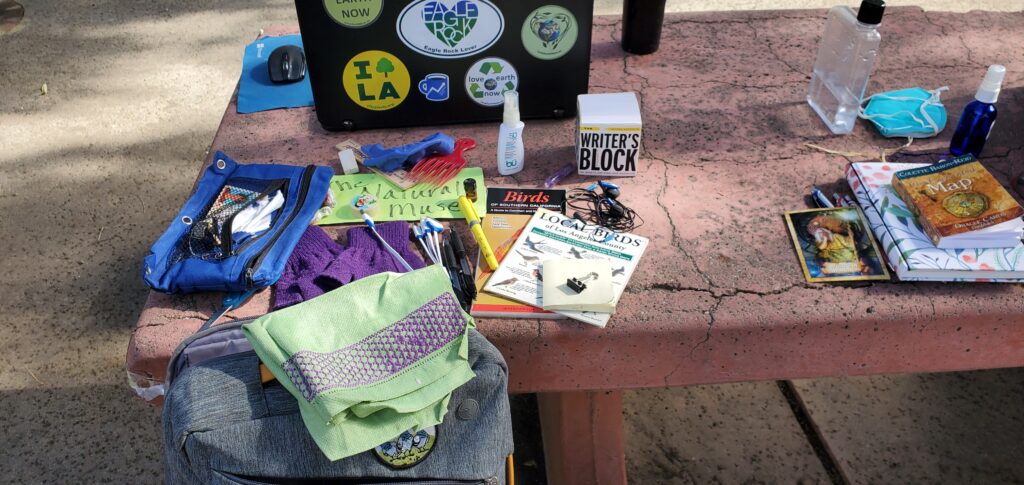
{"points": [[237, 229]]}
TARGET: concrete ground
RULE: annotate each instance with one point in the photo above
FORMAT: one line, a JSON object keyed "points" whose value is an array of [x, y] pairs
{"points": [[91, 171]]}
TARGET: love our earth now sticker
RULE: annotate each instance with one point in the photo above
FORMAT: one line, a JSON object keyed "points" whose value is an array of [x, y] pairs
{"points": [[489, 78], [353, 13], [549, 32], [376, 80], [450, 29]]}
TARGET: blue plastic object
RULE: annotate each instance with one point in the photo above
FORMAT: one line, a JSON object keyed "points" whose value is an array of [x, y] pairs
{"points": [[391, 159], [973, 129]]}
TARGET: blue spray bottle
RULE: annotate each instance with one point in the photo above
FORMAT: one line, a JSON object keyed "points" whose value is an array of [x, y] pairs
{"points": [[979, 115]]}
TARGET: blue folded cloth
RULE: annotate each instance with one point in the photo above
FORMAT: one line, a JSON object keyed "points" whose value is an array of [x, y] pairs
{"points": [[256, 92]]}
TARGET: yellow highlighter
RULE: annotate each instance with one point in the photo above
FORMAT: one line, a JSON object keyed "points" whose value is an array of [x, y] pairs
{"points": [[473, 220]]}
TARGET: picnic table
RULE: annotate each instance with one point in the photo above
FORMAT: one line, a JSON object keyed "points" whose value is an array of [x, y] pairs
{"points": [[719, 295]]}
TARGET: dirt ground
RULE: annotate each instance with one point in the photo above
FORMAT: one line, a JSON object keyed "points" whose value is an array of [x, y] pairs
{"points": [[91, 171]]}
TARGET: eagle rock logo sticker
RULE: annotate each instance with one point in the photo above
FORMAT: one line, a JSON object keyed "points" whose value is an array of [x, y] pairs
{"points": [[408, 448], [549, 32], [376, 80], [450, 29]]}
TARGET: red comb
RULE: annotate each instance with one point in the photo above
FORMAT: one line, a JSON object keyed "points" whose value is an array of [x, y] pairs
{"points": [[439, 169]]}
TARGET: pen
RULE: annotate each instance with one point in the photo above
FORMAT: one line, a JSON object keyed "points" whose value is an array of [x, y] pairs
{"points": [[820, 199], [449, 262], [478, 232], [844, 200], [463, 264]]}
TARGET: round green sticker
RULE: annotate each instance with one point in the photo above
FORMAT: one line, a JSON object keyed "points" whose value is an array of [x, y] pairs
{"points": [[549, 32], [353, 13]]}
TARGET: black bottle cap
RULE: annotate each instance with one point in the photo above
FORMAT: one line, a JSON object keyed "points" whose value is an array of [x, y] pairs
{"points": [[871, 12]]}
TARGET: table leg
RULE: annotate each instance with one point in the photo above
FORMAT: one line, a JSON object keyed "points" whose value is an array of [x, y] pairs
{"points": [[583, 437]]}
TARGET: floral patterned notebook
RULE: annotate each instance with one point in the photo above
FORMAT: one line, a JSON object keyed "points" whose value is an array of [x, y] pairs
{"points": [[910, 252]]}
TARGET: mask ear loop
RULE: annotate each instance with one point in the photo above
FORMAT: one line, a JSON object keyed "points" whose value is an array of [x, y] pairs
{"points": [[935, 99], [862, 112], [928, 122], [860, 109]]}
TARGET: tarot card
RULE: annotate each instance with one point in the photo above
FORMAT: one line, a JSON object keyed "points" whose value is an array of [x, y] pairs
{"points": [[835, 244]]}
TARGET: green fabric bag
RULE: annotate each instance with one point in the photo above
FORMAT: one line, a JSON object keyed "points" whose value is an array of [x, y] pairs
{"points": [[371, 359]]}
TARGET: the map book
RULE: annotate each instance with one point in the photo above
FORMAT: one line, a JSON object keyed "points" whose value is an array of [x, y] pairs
{"points": [[508, 212], [910, 252], [551, 235], [959, 204]]}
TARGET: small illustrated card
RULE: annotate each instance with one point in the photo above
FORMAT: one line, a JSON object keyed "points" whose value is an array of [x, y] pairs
{"points": [[835, 245]]}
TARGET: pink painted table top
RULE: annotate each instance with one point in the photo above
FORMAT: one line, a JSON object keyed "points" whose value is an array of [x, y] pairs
{"points": [[719, 295]]}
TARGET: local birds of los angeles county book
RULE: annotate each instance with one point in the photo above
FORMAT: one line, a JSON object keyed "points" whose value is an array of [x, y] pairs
{"points": [[550, 235], [960, 205]]}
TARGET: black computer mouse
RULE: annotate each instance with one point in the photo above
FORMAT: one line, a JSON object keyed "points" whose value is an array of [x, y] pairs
{"points": [[287, 64]]}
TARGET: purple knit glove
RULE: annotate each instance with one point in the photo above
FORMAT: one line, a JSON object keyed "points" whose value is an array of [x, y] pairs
{"points": [[318, 264], [366, 256], [314, 252]]}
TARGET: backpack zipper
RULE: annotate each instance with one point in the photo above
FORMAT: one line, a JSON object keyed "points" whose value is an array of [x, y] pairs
{"points": [[256, 259]]}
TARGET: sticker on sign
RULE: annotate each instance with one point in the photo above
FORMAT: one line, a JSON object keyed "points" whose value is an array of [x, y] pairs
{"points": [[449, 30], [489, 78]]}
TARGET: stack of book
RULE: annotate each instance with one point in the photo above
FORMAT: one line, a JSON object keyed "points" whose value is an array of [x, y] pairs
{"points": [[580, 249], [950, 221], [527, 229], [508, 213]]}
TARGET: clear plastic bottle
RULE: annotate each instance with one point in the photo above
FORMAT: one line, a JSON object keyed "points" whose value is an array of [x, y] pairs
{"points": [[846, 56]]}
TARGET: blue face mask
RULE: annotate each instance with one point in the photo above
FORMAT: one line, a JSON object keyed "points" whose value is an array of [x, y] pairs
{"points": [[907, 113]]}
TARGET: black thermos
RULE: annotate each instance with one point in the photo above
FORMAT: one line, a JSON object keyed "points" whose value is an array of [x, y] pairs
{"points": [[641, 25]]}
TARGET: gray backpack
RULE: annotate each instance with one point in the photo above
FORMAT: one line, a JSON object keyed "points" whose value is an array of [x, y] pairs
{"points": [[222, 425]]}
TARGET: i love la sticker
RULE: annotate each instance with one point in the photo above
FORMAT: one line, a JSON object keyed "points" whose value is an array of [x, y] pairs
{"points": [[376, 80]]}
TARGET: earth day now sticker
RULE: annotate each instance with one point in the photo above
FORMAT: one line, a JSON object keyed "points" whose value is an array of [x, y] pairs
{"points": [[488, 79], [549, 32], [450, 29], [353, 13], [376, 80]]}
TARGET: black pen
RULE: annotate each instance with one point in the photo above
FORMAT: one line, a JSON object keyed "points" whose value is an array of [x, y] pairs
{"points": [[448, 259], [463, 265]]}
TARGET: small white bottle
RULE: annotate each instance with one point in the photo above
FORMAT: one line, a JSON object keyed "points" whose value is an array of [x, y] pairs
{"points": [[510, 137], [846, 56]]}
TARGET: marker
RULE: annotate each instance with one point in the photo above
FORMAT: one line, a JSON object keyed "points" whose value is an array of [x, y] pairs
{"points": [[478, 232], [465, 271], [820, 199], [448, 258], [843, 200]]}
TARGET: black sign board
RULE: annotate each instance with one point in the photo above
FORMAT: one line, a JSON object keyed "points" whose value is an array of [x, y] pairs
{"points": [[389, 63]]}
